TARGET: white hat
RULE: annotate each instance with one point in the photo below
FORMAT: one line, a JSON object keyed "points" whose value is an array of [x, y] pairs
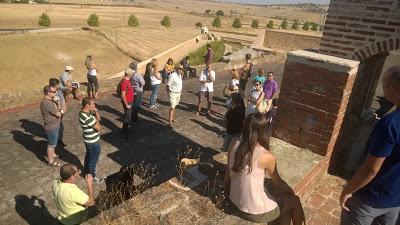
{"points": [[69, 68]]}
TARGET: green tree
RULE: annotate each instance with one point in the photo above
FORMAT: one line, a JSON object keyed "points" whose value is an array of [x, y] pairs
{"points": [[199, 24], [166, 21], [208, 11], [270, 24], [306, 26], [44, 20], [314, 26], [295, 25], [220, 13], [254, 24], [216, 22], [93, 20], [133, 21], [284, 24], [236, 23]]}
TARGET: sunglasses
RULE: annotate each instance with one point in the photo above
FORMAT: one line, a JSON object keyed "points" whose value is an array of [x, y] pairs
{"points": [[257, 84]]}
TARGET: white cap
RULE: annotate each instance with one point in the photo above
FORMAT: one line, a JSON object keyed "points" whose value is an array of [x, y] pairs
{"points": [[69, 68]]}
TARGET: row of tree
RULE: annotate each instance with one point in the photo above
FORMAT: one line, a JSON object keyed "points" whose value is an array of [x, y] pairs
{"points": [[94, 21]]}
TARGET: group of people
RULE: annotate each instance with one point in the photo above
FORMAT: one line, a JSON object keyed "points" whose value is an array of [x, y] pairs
{"points": [[371, 196]]}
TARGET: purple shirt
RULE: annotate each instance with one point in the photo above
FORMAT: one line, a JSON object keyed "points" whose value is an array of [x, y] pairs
{"points": [[270, 87]]}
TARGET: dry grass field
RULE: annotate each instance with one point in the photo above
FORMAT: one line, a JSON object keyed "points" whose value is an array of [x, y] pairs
{"points": [[28, 61], [34, 57]]}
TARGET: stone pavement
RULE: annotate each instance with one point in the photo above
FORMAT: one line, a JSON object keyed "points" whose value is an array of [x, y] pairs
{"points": [[26, 180]]}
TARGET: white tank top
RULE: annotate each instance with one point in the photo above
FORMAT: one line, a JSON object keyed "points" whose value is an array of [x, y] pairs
{"points": [[247, 189], [92, 72]]}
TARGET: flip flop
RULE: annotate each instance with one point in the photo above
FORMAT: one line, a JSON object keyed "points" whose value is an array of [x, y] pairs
{"points": [[54, 164]]}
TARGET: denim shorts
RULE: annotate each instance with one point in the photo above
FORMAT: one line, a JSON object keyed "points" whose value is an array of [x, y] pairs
{"points": [[52, 137]]}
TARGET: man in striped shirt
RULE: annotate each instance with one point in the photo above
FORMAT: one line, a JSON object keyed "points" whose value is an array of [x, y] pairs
{"points": [[89, 119]]}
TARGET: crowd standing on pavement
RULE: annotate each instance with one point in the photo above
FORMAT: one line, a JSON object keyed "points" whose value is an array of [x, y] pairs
{"points": [[248, 127]]}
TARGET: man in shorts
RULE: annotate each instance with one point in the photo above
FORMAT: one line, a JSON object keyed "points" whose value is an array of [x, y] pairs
{"points": [[51, 113], [372, 196], [174, 89], [206, 79]]}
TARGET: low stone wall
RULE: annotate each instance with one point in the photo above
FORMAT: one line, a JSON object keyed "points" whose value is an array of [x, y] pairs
{"points": [[290, 41]]}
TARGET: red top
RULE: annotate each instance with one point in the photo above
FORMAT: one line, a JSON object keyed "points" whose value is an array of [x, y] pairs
{"points": [[127, 87]]}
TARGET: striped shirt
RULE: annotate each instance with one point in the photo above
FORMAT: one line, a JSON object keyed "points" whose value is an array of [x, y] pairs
{"points": [[88, 121]]}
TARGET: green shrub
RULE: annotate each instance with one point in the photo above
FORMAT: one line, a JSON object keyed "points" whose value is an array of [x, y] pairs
{"points": [[133, 21], [93, 20], [199, 24], [197, 57], [216, 22], [44, 20], [295, 25], [306, 26], [284, 25], [166, 21], [254, 24], [220, 13], [314, 26], [270, 24], [208, 11], [236, 23]]}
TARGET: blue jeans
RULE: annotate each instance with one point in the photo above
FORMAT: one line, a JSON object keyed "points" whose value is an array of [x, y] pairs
{"points": [[138, 100], [363, 214], [91, 158], [52, 137], [154, 92]]}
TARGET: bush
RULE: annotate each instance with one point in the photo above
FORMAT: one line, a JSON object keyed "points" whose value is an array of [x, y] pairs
{"points": [[306, 26], [284, 25], [166, 21], [254, 24], [208, 11], [270, 24], [220, 13], [295, 25], [216, 22], [44, 20], [314, 26], [199, 24], [133, 21], [93, 20], [236, 23], [197, 57]]}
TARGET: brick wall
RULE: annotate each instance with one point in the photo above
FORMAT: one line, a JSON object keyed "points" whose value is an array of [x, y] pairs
{"points": [[313, 99], [290, 41], [357, 29]]}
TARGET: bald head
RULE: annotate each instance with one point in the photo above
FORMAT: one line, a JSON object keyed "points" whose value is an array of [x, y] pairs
{"points": [[67, 171]]}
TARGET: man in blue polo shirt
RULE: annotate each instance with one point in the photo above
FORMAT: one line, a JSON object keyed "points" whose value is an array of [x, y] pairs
{"points": [[372, 196]]}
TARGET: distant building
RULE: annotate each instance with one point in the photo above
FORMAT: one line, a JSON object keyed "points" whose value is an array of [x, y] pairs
{"points": [[204, 30]]}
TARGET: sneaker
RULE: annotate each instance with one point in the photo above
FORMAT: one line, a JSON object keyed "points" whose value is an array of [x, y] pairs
{"points": [[153, 106], [98, 180]]}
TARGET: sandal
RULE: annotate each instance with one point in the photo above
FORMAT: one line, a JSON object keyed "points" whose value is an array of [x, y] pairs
{"points": [[54, 163], [197, 113]]}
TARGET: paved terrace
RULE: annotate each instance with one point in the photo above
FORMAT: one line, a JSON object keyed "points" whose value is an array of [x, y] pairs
{"points": [[26, 180]]}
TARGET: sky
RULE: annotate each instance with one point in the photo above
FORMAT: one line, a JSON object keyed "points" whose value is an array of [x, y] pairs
{"points": [[266, 2]]}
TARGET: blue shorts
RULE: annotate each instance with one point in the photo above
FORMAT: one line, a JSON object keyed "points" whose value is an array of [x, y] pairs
{"points": [[52, 137]]}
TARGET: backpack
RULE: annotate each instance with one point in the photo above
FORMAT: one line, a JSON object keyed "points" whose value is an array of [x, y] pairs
{"points": [[119, 92]]}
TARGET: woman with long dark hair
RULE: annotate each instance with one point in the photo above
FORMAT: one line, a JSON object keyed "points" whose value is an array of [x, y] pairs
{"points": [[249, 162]]}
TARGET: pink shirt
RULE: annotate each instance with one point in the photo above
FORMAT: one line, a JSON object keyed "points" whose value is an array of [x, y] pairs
{"points": [[247, 189]]}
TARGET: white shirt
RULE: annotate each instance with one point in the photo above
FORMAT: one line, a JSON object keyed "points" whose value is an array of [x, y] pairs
{"points": [[174, 83], [154, 80], [92, 72], [206, 75], [234, 83]]}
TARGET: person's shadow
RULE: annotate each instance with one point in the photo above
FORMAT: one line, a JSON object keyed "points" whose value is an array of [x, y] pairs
{"points": [[38, 147], [33, 210]]}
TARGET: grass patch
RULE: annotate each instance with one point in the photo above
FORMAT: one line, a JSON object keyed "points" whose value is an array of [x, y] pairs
{"points": [[197, 57]]}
